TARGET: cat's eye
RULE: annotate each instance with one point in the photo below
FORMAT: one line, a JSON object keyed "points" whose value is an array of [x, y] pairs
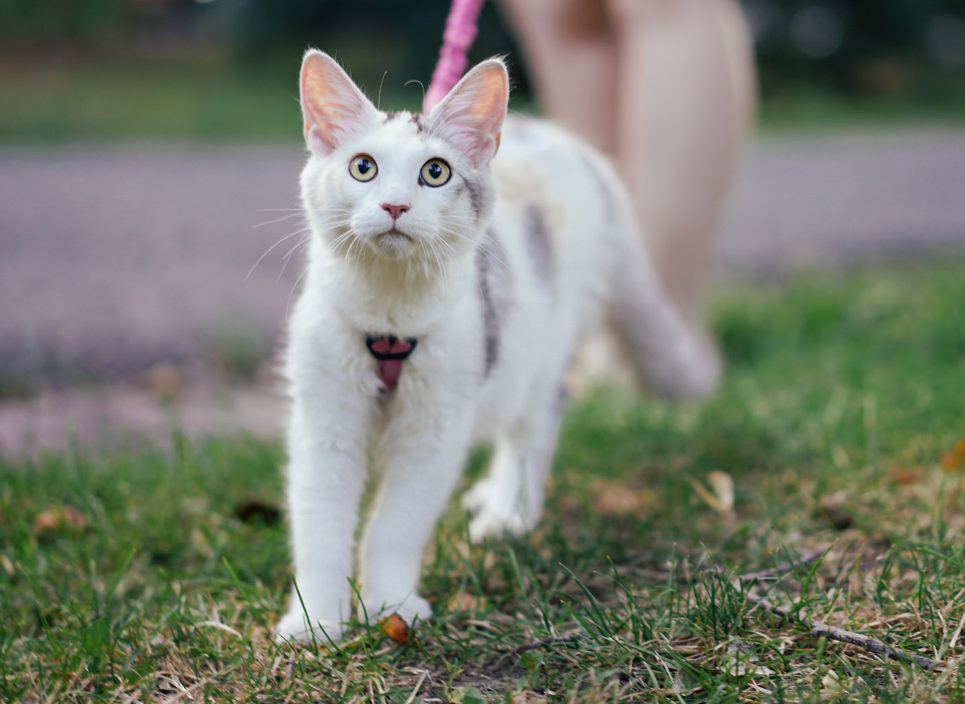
{"points": [[363, 168], [435, 173]]}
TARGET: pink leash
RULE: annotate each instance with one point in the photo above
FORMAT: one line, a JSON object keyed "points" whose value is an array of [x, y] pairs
{"points": [[456, 40]]}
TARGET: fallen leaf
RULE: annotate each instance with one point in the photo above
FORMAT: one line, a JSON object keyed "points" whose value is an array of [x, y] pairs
{"points": [[831, 685], [395, 628], [902, 475], [955, 458], [722, 497], [465, 602], [47, 521], [613, 498], [723, 487], [58, 519], [739, 660]]}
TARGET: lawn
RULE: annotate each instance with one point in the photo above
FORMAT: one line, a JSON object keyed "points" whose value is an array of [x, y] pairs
{"points": [[143, 576]]}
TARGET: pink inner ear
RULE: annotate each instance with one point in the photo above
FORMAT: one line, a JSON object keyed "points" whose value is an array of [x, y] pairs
{"points": [[332, 105], [472, 114]]}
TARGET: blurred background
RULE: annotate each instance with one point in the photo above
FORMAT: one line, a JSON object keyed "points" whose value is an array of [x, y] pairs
{"points": [[225, 69], [149, 153]]}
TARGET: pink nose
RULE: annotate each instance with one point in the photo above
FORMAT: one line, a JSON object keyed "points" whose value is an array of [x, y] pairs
{"points": [[395, 210]]}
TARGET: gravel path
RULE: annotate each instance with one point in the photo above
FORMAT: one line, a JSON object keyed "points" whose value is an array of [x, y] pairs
{"points": [[114, 258]]}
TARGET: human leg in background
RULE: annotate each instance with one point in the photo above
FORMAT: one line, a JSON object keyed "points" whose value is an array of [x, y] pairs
{"points": [[667, 88]]}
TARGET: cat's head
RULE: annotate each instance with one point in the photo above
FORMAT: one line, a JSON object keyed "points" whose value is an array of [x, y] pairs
{"points": [[400, 185]]}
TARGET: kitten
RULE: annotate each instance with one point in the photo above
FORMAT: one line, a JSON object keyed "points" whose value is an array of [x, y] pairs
{"points": [[445, 292]]}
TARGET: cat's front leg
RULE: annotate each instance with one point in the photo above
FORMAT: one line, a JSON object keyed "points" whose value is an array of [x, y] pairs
{"points": [[426, 446], [326, 474]]}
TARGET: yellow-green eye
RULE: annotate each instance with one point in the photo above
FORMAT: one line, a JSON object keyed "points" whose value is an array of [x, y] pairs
{"points": [[363, 168], [435, 172]]}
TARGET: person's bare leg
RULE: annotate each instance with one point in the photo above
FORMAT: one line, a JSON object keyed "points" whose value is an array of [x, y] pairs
{"points": [[686, 94], [667, 87], [570, 49]]}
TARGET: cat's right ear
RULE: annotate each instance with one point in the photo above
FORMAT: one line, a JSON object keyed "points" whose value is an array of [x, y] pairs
{"points": [[332, 105]]}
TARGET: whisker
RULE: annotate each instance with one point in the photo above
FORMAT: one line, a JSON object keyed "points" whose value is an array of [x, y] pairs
{"points": [[415, 80], [275, 222], [291, 251], [286, 237], [292, 293]]}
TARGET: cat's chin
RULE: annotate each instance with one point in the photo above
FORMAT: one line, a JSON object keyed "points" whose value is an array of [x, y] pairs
{"points": [[393, 242]]}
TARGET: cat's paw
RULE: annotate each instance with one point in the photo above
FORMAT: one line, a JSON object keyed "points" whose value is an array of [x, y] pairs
{"points": [[409, 609], [294, 628], [494, 514], [494, 521], [414, 607], [478, 495]]}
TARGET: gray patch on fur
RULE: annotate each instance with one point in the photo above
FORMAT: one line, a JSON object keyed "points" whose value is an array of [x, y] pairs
{"points": [[539, 244], [494, 281], [475, 196], [391, 116], [419, 122], [562, 396]]}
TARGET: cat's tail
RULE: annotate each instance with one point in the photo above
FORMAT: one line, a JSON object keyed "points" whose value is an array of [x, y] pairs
{"points": [[673, 358]]}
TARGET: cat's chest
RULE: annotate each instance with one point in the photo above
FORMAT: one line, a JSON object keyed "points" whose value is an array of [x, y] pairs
{"points": [[403, 313]]}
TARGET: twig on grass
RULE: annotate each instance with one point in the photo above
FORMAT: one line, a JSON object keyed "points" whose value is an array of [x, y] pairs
{"points": [[542, 643], [819, 629], [765, 575]]}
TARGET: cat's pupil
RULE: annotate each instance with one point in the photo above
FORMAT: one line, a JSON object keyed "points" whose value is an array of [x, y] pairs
{"points": [[435, 171], [363, 165]]}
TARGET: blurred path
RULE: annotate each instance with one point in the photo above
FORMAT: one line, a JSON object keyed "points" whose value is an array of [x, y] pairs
{"points": [[113, 258], [841, 199]]}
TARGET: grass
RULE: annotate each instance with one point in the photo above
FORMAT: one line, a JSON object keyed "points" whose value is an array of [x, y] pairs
{"points": [[144, 576], [210, 98]]}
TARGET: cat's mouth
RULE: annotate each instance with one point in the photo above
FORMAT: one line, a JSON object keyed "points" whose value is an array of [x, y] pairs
{"points": [[393, 241], [395, 234]]}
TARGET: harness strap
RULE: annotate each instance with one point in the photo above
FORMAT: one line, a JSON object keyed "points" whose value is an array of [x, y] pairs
{"points": [[390, 352]]}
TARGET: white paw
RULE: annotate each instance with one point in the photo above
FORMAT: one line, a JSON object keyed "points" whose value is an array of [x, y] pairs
{"points": [[478, 495], [409, 609], [294, 627], [498, 522], [414, 607], [497, 511]]}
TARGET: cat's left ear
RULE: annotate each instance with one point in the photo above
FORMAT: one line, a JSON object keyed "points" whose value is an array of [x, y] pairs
{"points": [[472, 114], [332, 105]]}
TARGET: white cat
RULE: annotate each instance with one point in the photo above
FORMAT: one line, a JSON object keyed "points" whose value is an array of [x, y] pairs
{"points": [[446, 290]]}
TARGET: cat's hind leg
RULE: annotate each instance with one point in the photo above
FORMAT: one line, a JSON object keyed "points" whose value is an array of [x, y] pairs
{"points": [[509, 499]]}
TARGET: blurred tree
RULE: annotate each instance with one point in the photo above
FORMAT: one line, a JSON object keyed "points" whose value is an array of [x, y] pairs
{"points": [[864, 47], [53, 21], [879, 47], [370, 37]]}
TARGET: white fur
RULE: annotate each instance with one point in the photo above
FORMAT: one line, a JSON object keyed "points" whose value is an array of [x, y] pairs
{"points": [[424, 285]]}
